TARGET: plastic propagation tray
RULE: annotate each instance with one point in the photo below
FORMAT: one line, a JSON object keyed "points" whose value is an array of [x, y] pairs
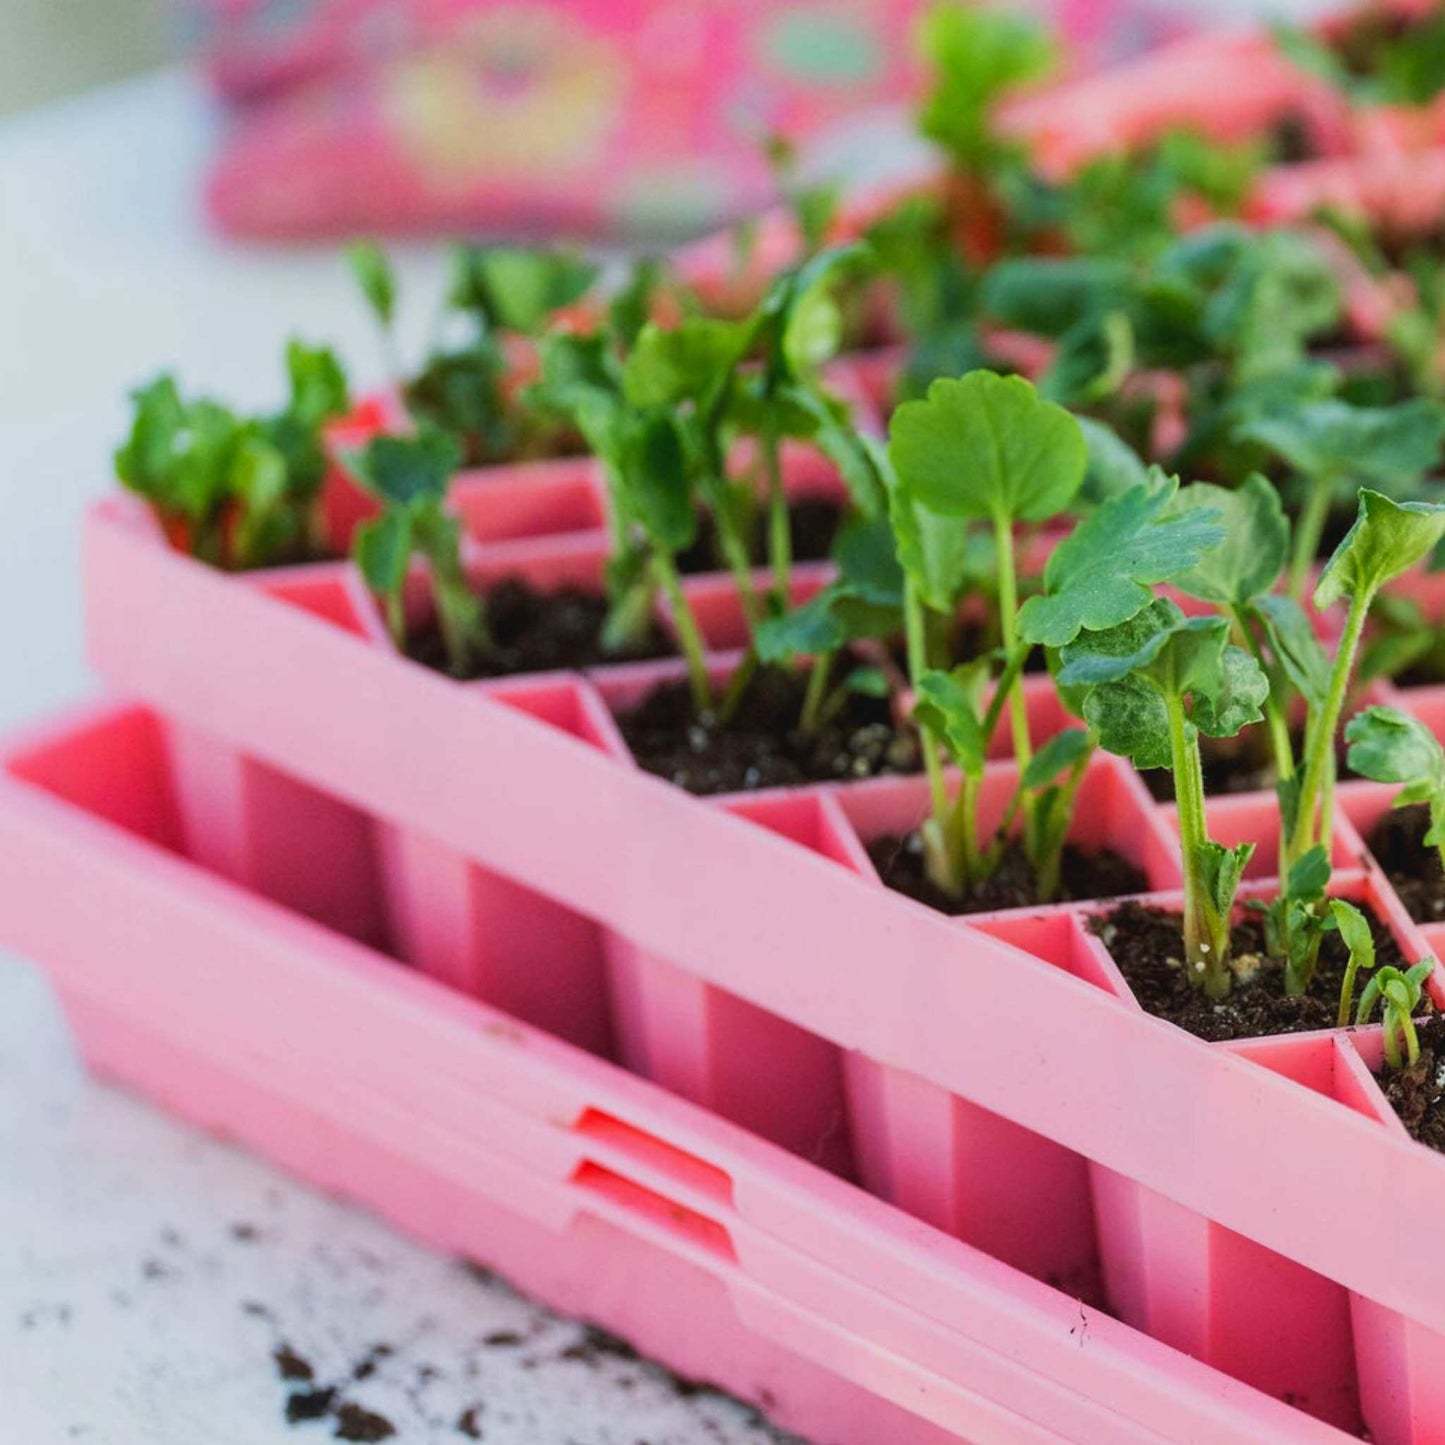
{"points": [[992, 1078], [727, 1257]]}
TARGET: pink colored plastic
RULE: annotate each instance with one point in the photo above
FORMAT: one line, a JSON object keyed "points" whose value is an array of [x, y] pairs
{"points": [[659, 869], [1175, 86], [1401, 1363], [1216, 1293], [726, 1258]]}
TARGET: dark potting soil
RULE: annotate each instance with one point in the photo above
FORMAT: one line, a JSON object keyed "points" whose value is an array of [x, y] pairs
{"points": [[1417, 1094], [1148, 946], [760, 745], [1083, 875], [1292, 140], [1414, 871], [813, 524], [534, 631]]}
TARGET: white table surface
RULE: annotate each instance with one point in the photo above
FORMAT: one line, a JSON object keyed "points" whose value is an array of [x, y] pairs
{"points": [[148, 1273]]}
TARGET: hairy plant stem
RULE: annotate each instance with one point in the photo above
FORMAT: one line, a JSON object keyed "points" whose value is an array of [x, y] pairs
{"points": [[1399, 1025], [1315, 811], [461, 618], [394, 606], [689, 635], [1347, 992], [1008, 607], [1048, 850], [738, 685], [811, 717], [629, 608], [1274, 716], [627, 617], [780, 537], [959, 836], [915, 633], [715, 488], [1206, 934], [1310, 529]]}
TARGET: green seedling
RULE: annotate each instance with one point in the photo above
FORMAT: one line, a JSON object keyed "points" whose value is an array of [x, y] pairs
{"points": [[865, 600], [985, 454], [1388, 538], [979, 55], [1335, 448], [1397, 995], [1389, 747], [409, 476], [1354, 930], [238, 492], [495, 296], [1295, 923], [620, 386], [1155, 683]]}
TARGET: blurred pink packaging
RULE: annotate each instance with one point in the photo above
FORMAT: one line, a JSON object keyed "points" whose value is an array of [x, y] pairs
{"points": [[589, 117]]}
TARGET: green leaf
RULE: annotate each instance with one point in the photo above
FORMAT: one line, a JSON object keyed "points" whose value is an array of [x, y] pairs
{"points": [[659, 484], [867, 562], [383, 550], [1387, 746], [631, 305], [1388, 538], [1295, 645], [1114, 466], [1355, 931], [578, 381], [862, 461], [258, 474], [1280, 291], [869, 682], [1220, 871], [1235, 700], [462, 392], [1160, 655], [144, 462], [808, 630], [1091, 362], [1104, 571], [1130, 719], [200, 469], [987, 446], [1254, 545], [949, 704], [1387, 447], [404, 470], [1051, 295], [317, 383], [978, 56], [375, 279], [518, 288], [806, 304], [940, 554], [1309, 875], [1110, 654], [1058, 755], [688, 362]]}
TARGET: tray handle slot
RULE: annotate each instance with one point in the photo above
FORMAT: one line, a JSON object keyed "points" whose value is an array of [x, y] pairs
{"points": [[689, 1172], [656, 1210]]}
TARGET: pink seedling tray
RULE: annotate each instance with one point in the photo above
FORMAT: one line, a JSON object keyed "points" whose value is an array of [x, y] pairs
{"points": [[725, 1257], [748, 934]]}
